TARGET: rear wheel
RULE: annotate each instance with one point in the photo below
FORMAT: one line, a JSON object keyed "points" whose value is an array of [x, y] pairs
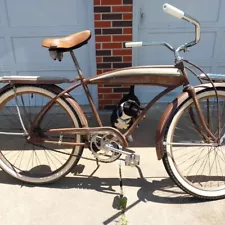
{"points": [[192, 160], [32, 162]]}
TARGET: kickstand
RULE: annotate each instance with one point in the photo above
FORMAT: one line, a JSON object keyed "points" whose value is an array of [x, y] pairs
{"points": [[98, 165], [122, 198]]}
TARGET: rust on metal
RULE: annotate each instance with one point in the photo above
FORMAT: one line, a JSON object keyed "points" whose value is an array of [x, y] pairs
{"points": [[68, 98], [86, 89], [196, 126], [147, 108], [192, 92], [90, 130], [162, 125], [146, 75], [63, 143], [213, 85]]}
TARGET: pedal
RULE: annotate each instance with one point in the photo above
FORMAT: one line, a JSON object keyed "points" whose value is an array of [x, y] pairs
{"points": [[132, 160]]}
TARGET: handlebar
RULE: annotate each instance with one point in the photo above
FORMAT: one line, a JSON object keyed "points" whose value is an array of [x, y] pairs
{"points": [[154, 43], [173, 11], [181, 15]]}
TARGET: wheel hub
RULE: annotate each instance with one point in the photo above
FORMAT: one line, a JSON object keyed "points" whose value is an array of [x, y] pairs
{"points": [[38, 132]]}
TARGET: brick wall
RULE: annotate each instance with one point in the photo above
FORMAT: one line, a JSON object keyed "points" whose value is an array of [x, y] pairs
{"points": [[113, 27]]}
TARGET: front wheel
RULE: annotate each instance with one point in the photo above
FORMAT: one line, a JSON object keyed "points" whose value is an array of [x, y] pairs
{"points": [[192, 160], [33, 162]]}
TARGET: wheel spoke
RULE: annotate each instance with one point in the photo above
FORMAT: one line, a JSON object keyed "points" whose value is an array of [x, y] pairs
{"points": [[27, 159], [197, 163]]}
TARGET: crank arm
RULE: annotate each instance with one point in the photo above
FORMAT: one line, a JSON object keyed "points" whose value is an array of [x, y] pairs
{"points": [[131, 158], [120, 150]]}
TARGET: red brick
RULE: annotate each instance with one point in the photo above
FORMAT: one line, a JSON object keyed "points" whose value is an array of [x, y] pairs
{"points": [[126, 86], [104, 65], [115, 101], [112, 96], [111, 2], [100, 96], [97, 2], [111, 45], [122, 52], [105, 71], [122, 8], [103, 38], [99, 71], [99, 59], [127, 59], [97, 16], [122, 38], [127, 30], [99, 24], [127, 2], [98, 46], [105, 101], [128, 16], [100, 107], [105, 90]]}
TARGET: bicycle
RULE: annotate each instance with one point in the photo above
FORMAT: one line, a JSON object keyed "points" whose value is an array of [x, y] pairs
{"points": [[45, 151]]}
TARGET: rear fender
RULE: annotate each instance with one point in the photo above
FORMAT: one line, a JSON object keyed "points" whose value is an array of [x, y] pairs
{"points": [[57, 90], [163, 123], [73, 103]]}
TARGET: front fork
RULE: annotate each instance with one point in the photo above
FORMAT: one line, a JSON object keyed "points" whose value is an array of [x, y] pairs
{"points": [[191, 91]]}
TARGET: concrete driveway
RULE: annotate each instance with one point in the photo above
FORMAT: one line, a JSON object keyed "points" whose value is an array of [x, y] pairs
{"points": [[84, 200]]}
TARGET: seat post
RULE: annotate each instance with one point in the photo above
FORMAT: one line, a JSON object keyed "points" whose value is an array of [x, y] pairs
{"points": [[86, 89], [76, 64]]}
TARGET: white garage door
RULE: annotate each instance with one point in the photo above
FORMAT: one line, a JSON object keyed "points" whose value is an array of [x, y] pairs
{"points": [[151, 24], [25, 23]]}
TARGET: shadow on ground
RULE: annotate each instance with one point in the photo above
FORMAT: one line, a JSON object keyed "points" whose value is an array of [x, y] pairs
{"points": [[158, 189], [154, 189]]}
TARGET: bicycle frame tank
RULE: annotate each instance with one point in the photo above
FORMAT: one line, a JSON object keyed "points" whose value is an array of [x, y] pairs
{"points": [[165, 76]]}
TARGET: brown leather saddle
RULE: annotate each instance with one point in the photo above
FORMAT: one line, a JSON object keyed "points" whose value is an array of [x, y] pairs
{"points": [[57, 46], [69, 42]]}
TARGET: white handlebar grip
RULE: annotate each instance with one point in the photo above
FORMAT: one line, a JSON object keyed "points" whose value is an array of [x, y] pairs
{"points": [[133, 44], [173, 11]]}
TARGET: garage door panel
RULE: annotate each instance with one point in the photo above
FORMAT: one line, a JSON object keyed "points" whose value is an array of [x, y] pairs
{"points": [[222, 47], [151, 92], [78, 93], [25, 23], [6, 57], [221, 69], [29, 50], [153, 13], [42, 13], [155, 25], [3, 14]]}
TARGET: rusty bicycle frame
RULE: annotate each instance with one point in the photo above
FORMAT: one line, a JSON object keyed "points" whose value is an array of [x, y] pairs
{"points": [[137, 76], [170, 77]]}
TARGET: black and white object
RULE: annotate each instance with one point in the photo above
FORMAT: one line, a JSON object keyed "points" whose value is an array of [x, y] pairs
{"points": [[123, 120], [126, 111]]}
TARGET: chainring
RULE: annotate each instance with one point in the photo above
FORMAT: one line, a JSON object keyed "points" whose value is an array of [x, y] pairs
{"points": [[97, 143]]}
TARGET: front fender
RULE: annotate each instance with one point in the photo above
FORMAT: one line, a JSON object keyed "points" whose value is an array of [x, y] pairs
{"points": [[163, 123]]}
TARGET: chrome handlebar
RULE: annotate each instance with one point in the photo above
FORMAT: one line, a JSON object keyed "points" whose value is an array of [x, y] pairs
{"points": [[181, 15]]}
